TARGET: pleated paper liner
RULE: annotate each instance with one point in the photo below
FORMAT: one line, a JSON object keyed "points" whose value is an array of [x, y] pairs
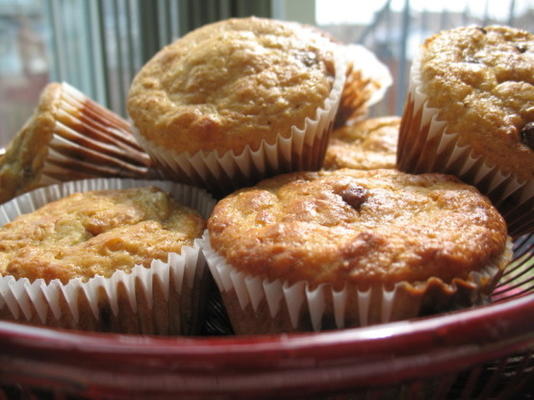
{"points": [[367, 82], [259, 306], [304, 149], [91, 141], [166, 298], [426, 145]]}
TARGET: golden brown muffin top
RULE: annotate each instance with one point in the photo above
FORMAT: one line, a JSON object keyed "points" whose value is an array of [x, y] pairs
{"points": [[482, 80], [96, 233], [369, 144], [231, 84], [25, 155], [363, 227]]}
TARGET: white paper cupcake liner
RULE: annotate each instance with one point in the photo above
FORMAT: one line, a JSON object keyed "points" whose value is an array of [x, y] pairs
{"points": [[304, 149], [367, 82], [90, 141], [426, 145], [165, 298], [259, 306]]}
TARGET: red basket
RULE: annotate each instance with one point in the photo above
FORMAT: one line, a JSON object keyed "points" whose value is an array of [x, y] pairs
{"points": [[483, 352]]}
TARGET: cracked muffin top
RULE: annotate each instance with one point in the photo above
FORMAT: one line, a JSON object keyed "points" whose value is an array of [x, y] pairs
{"points": [[369, 144], [482, 81], [231, 84], [96, 233], [363, 227]]}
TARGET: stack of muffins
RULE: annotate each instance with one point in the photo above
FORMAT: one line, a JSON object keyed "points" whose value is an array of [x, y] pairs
{"points": [[244, 109]]}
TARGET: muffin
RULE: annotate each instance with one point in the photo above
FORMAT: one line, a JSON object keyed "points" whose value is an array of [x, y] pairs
{"points": [[344, 248], [122, 258], [238, 100], [69, 137], [470, 112], [367, 80], [366, 84], [369, 144]]}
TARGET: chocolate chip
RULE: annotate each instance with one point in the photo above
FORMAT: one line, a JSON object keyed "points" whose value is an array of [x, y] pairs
{"points": [[482, 30], [521, 48], [527, 135], [355, 196]]}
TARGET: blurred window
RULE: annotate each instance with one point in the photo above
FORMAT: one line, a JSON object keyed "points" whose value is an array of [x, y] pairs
{"points": [[24, 68], [99, 45]]}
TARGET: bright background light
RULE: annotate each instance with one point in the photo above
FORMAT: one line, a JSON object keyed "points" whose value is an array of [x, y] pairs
{"points": [[329, 12]]}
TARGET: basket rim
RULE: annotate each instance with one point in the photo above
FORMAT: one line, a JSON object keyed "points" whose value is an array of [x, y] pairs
{"points": [[107, 364], [492, 325], [97, 364]]}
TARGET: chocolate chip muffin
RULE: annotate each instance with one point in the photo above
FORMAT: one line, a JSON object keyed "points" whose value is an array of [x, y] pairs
{"points": [[352, 247], [470, 113], [69, 137], [237, 100], [122, 259], [369, 144]]}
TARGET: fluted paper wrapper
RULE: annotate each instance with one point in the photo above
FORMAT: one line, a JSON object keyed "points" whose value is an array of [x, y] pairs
{"points": [[259, 306], [90, 141], [304, 149], [367, 82], [166, 298], [427, 145]]}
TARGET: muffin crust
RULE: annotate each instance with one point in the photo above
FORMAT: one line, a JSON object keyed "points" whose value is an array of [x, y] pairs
{"points": [[369, 144], [25, 155], [231, 84], [482, 80], [362, 227], [96, 233]]}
